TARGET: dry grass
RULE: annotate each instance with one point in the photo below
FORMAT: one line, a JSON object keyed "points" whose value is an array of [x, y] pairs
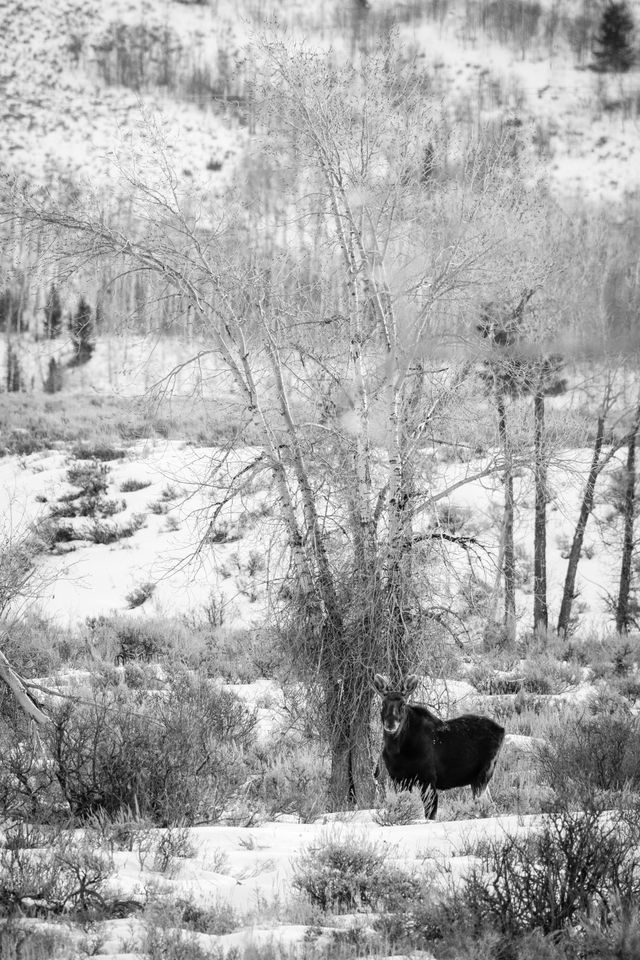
{"points": [[33, 422]]}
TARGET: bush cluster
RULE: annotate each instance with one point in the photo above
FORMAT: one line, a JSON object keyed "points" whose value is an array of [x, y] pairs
{"points": [[588, 753], [175, 755], [290, 779], [566, 889], [42, 874], [172, 756], [577, 862]]}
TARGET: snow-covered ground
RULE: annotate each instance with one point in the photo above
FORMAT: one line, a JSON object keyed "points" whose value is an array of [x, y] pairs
{"points": [[175, 551], [251, 870], [173, 548]]}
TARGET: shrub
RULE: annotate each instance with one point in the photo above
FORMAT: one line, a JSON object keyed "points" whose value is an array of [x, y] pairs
{"points": [[90, 477], [575, 863], [98, 451], [127, 639], [101, 531], [174, 842], [59, 533], [222, 533], [172, 758], [349, 871], [18, 553], [337, 872], [139, 641], [618, 940], [218, 919], [399, 807], [87, 507], [593, 753], [293, 779], [34, 943], [36, 646], [239, 656], [171, 942], [66, 875], [132, 485], [140, 594], [29, 789], [122, 831]]}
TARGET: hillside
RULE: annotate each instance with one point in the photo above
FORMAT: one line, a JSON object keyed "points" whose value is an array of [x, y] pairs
{"points": [[81, 78]]}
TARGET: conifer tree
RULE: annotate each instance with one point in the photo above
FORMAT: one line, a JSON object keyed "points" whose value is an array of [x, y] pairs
{"points": [[53, 314], [613, 45], [82, 329], [14, 379]]}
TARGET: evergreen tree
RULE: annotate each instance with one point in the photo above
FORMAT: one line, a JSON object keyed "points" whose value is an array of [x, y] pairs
{"points": [[53, 314], [82, 329], [613, 45], [10, 310], [53, 382], [13, 372]]}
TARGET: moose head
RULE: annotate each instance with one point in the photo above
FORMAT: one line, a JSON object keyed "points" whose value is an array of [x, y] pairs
{"points": [[394, 701]]}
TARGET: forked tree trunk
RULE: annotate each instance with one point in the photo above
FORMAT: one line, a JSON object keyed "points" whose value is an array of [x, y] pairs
{"points": [[622, 606], [578, 536], [540, 614], [509, 549]]}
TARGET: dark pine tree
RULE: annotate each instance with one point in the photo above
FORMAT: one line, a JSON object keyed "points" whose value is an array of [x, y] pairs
{"points": [[613, 43], [53, 381], [14, 379], [83, 336], [53, 314]]}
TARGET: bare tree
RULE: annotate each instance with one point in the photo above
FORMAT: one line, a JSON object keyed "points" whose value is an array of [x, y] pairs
{"points": [[503, 372], [333, 288], [599, 460], [543, 380], [623, 618]]}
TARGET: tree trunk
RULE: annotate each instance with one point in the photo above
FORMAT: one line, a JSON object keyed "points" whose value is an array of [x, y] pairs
{"points": [[622, 607], [540, 614], [351, 780], [19, 691], [495, 590], [578, 536], [509, 549]]}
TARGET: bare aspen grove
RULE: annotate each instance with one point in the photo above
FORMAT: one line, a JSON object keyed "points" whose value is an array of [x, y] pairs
{"points": [[319, 610]]}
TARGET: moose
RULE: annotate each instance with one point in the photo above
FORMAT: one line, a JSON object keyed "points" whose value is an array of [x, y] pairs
{"points": [[420, 749]]}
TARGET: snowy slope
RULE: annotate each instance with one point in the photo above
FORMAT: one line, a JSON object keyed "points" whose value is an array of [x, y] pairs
{"points": [[173, 551], [61, 119]]}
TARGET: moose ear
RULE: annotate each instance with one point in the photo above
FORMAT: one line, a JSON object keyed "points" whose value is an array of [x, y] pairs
{"points": [[410, 683], [380, 684]]}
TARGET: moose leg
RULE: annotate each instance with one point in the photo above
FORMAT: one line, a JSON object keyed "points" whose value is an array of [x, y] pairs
{"points": [[429, 800]]}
